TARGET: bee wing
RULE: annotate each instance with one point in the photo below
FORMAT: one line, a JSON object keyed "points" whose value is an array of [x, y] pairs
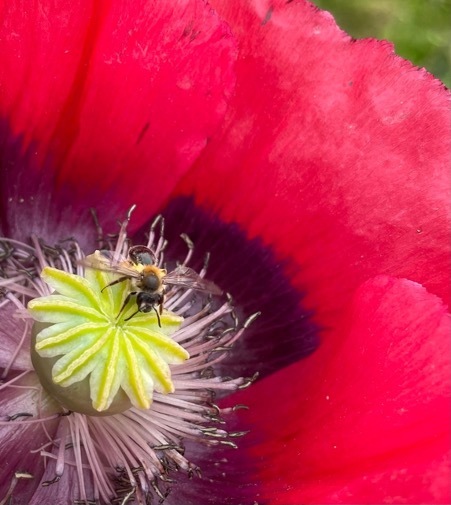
{"points": [[188, 278], [108, 261]]}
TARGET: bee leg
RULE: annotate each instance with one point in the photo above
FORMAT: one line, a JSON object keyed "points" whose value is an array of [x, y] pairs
{"points": [[127, 299], [158, 316], [117, 281], [129, 317], [161, 303]]}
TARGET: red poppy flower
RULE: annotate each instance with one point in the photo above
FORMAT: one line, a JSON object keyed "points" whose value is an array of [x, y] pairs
{"points": [[313, 168]]}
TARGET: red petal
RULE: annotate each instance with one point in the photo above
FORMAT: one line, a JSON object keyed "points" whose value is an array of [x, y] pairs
{"points": [[41, 47], [122, 97], [334, 151], [366, 419]]}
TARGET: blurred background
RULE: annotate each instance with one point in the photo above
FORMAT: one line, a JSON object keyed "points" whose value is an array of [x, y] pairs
{"points": [[420, 29]]}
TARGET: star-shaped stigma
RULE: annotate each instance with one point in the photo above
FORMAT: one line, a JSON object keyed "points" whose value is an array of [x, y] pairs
{"points": [[85, 326]]}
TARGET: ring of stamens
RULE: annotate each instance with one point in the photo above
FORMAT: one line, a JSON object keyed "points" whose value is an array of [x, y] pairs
{"points": [[133, 454]]}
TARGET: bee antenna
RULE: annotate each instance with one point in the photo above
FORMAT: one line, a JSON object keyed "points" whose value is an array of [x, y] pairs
{"points": [[129, 317]]}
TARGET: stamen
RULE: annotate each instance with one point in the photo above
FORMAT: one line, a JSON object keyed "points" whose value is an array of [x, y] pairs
{"points": [[28, 421], [52, 481], [11, 381], [19, 414], [121, 245], [62, 447], [190, 245], [14, 482], [25, 334]]}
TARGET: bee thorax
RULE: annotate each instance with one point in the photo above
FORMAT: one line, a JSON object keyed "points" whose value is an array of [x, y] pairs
{"points": [[150, 282]]}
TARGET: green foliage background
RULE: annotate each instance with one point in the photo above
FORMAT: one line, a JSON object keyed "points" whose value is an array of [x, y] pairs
{"points": [[420, 29]]}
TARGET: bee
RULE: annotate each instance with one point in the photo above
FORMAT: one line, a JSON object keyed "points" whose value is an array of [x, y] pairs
{"points": [[148, 280]]}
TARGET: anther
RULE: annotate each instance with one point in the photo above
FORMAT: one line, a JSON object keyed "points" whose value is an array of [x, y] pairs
{"points": [[187, 240], [207, 373], [155, 222], [50, 482], [236, 434], [194, 470], [166, 479], [167, 447], [130, 211], [162, 226], [221, 348], [19, 414], [206, 260], [6, 250], [248, 381], [227, 331], [123, 500], [208, 430], [23, 475], [240, 407], [64, 414], [213, 418], [236, 321], [214, 434], [215, 408], [161, 244], [157, 490], [251, 319]]}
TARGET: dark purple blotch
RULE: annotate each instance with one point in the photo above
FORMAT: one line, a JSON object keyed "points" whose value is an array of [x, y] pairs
{"points": [[257, 280]]}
